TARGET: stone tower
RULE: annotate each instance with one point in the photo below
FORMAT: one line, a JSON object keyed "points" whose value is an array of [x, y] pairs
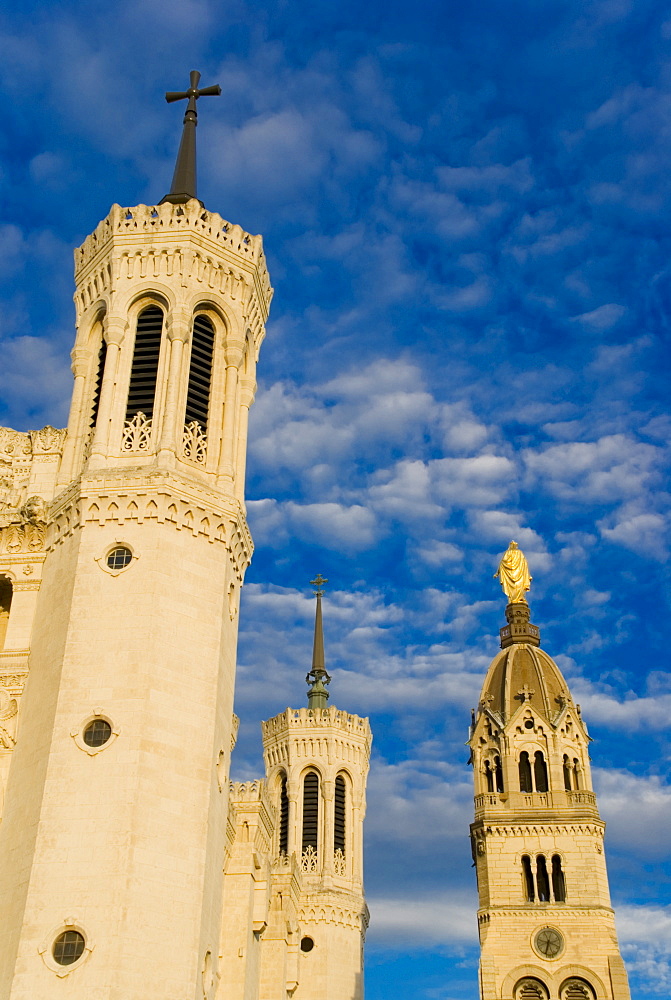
{"points": [[546, 925], [114, 824], [317, 761]]}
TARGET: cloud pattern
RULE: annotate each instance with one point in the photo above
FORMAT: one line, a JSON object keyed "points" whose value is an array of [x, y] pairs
{"points": [[466, 212]]}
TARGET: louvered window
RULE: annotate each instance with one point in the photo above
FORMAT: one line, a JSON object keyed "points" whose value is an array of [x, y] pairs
{"points": [[142, 388], [284, 817], [200, 372], [102, 354], [576, 989], [530, 989], [339, 825], [310, 810]]}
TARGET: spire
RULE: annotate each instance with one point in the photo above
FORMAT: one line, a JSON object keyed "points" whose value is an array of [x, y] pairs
{"points": [[318, 677], [184, 179]]}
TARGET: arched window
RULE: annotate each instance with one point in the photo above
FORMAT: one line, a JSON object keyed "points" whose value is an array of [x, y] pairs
{"points": [[5, 606], [339, 814], [576, 989], [284, 817], [200, 372], [97, 385], [540, 772], [530, 988], [567, 774], [529, 891], [144, 371], [498, 773], [542, 879], [525, 773], [489, 776], [558, 880], [310, 811], [576, 773]]}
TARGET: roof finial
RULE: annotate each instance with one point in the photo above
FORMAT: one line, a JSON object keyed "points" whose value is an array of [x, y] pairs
{"points": [[184, 179], [318, 677]]}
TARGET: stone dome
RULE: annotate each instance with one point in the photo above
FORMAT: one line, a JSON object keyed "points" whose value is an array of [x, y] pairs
{"points": [[524, 672]]}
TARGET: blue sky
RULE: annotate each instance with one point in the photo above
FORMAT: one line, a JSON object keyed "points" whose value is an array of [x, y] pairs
{"points": [[466, 212]]}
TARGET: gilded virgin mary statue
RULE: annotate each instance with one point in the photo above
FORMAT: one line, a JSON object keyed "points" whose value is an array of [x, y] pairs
{"points": [[513, 574]]}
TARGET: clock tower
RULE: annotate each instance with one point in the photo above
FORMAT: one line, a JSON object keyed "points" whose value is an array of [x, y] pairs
{"points": [[546, 925]]}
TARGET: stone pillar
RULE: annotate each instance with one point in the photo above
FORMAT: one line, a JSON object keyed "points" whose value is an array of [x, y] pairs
{"points": [[114, 334], [178, 334], [247, 390], [227, 457], [328, 798], [81, 359]]}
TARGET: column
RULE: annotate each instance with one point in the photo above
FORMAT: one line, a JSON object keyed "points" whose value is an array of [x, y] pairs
{"points": [[81, 359], [328, 798], [171, 425], [114, 334], [247, 390], [234, 351]]}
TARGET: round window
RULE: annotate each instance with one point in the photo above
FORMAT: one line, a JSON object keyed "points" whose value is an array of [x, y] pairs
{"points": [[119, 557], [528, 723], [97, 733], [307, 944], [68, 947]]}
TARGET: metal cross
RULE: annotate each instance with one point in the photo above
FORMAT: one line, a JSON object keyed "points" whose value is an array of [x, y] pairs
{"points": [[183, 186], [318, 582], [193, 93]]}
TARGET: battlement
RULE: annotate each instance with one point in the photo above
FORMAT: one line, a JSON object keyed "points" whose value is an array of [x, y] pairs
{"points": [[303, 718], [186, 242]]}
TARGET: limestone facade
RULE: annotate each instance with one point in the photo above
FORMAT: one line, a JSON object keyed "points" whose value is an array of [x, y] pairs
{"points": [[545, 919], [130, 866]]}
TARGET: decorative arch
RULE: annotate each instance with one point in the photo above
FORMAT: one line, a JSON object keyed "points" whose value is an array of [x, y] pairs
{"points": [[149, 328], [311, 792], [531, 988]]}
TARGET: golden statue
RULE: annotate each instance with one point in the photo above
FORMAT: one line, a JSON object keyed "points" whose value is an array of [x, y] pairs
{"points": [[513, 574]]}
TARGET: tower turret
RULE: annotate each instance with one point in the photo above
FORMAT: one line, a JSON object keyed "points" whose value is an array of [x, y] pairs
{"points": [[317, 761], [545, 919], [114, 825]]}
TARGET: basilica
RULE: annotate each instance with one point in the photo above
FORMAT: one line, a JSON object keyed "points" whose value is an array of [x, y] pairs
{"points": [[131, 867]]}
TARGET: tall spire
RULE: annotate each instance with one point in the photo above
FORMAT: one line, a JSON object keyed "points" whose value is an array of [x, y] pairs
{"points": [[184, 179], [318, 677]]}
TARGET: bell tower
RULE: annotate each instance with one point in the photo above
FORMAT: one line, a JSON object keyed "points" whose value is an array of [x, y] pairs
{"points": [[545, 920], [317, 761], [114, 823]]}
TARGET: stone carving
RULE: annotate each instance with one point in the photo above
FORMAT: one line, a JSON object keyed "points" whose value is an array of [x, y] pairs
{"points": [[47, 441], [194, 443], [310, 861], [137, 433], [339, 863], [23, 530]]}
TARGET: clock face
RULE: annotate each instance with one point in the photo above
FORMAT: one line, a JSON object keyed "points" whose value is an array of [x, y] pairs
{"points": [[548, 942]]}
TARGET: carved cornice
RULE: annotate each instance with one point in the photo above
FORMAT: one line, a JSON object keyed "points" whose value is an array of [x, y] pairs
{"points": [[173, 241], [318, 908], [130, 496], [593, 829]]}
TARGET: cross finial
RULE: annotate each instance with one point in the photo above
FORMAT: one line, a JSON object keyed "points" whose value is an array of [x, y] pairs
{"points": [[184, 179], [525, 694], [318, 582]]}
